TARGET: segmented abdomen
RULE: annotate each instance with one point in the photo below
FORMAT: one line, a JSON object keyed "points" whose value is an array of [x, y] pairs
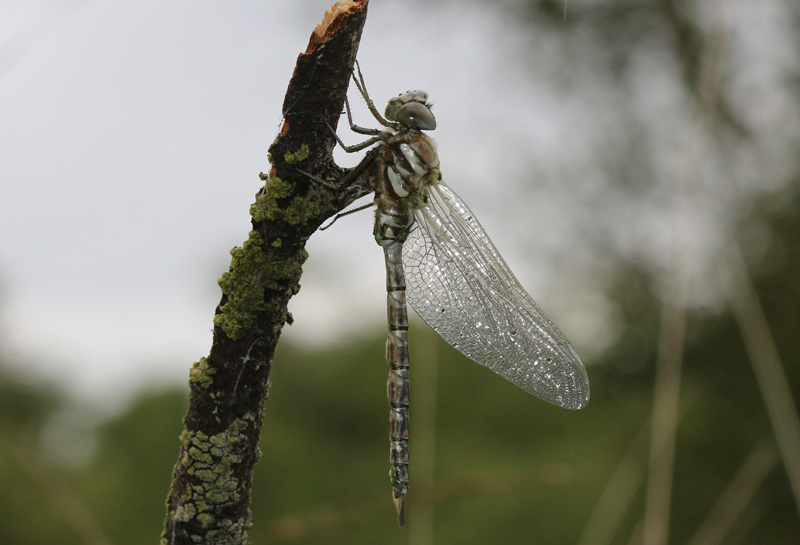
{"points": [[397, 386]]}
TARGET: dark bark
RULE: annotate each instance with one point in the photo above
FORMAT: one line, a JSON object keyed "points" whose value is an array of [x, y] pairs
{"points": [[210, 495]]}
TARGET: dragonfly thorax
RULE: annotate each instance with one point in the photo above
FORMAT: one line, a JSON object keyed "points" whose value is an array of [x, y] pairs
{"points": [[408, 164], [411, 163]]}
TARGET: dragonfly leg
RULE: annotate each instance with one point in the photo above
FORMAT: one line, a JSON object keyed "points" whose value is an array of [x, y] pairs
{"points": [[343, 182], [351, 176], [355, 147], [347, 213], [362, 88], [353, 126], [314, 177]]}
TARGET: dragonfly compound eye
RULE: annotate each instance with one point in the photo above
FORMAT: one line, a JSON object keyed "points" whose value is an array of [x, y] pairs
{"points": [[416, 116]]}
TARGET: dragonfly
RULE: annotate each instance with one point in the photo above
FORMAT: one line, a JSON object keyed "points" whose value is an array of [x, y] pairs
{"points": [[440, 260]]}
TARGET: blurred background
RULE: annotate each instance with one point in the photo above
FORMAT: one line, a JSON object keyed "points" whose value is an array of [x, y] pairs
{"points": [[635, 162]]}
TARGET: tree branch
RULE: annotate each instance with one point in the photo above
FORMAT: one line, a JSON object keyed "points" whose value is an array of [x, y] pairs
{"points": [[210, 495]]}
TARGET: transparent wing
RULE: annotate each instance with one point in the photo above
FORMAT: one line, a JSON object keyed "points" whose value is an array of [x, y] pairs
{"points": [[458, 283]]}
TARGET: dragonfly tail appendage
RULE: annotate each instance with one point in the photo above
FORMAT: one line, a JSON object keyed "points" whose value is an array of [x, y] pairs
{"points": [[398, 385], [400, 505]]}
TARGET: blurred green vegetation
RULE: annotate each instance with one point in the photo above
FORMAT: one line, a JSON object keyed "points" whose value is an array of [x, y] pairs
{"points": [[509, 468]]}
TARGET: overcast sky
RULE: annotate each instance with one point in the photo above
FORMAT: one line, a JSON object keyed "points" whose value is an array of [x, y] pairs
{"points": [[132, 135]]}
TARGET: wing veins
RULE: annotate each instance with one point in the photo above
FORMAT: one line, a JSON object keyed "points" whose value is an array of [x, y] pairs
{"points": [[447, 254]]}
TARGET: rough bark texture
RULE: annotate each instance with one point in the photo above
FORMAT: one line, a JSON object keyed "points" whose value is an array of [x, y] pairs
{"points": [[210, 495]]}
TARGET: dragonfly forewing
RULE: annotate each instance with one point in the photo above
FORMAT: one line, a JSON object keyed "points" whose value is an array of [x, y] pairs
{"points": [[458, 283]]}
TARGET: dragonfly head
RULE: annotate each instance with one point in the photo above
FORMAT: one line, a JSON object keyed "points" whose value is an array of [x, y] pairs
{"points": [[411, 109]]}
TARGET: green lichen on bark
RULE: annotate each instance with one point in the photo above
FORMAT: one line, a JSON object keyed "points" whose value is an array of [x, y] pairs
{"points": [[251, 273], [296, 157], [201, 373], [243, 284], [267, 206], [210, 461]]}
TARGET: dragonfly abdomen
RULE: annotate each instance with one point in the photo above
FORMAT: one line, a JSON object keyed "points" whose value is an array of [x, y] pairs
{"points": [[392, 222], [397, 386]]}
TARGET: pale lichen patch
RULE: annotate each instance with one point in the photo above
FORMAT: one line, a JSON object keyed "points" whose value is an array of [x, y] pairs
{"points": [[210, 460], [244, 287], [266, 206], [296, 157], [185, 513], [202, 373]]}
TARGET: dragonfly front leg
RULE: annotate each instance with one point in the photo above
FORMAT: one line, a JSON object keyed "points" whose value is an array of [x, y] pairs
{"points": [[355, 147], [362, 88], [353, 126], [398, 384]]}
